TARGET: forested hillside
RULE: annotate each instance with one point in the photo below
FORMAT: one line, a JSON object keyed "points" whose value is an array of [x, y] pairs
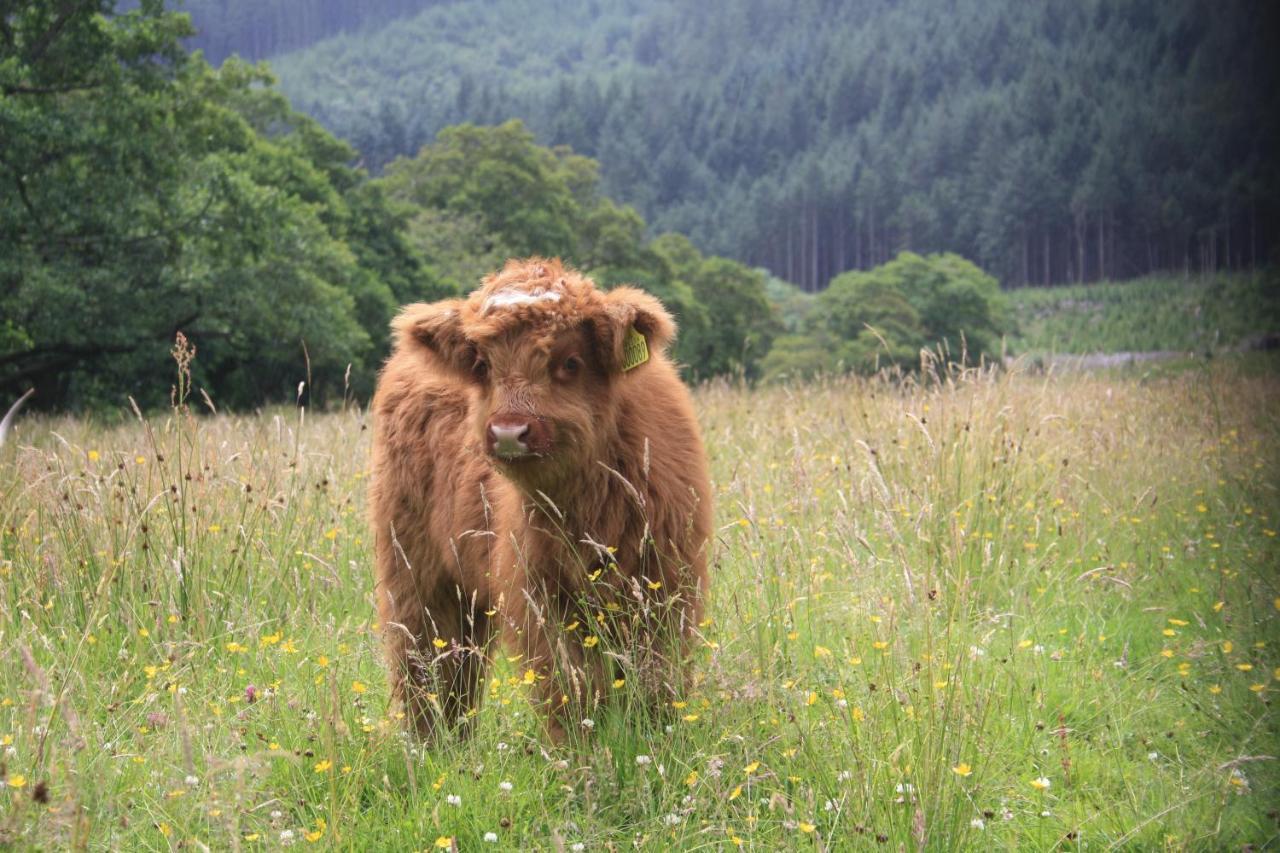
{"points": [[1045, 141], [256, 29]]}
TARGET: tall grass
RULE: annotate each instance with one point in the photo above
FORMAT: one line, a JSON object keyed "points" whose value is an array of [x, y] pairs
{"points": [[1192, 314], [974, 610]]}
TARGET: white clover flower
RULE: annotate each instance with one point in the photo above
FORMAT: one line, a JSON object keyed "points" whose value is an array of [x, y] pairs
{"points": [[491, 837], [642, 760], [286, 837], [453, 800], [588, 724], [505, 786], [671, 819], [192, 781], [577, 847], [844, 775]]}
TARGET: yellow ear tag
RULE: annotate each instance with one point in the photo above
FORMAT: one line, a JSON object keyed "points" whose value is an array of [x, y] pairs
{"points": [[635, 350]]}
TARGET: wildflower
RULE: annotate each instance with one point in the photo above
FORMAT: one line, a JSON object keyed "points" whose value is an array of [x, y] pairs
{"points": [[286, 837], [1244, 667], [978, 823], [751, 768], [577, 847], [618, 682], [691, 779], [962, 769], [323, 766], [439, 643], [444, 842], [505, 786], [737, 792], [880, 645], [453, 800], [671, 819], [642, 760], [1215, 689], [491, 837], [1227, 647], [17, 780], [192, 781], [1041, 784], [821, 652], [590, 641], [358, 687], [588, 723], [806, 828]]}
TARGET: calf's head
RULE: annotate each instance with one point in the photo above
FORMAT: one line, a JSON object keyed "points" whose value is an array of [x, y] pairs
{"points": [[544, 352]]}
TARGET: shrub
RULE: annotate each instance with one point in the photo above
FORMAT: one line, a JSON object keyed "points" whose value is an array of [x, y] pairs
{"points": [[870, 319]]}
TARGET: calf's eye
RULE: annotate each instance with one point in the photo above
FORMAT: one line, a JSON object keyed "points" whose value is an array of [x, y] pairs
{"points": [[572, 365], [480, 369]]}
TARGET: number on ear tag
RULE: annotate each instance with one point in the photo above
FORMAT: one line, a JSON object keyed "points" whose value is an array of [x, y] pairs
{"points": [[635, 350]]}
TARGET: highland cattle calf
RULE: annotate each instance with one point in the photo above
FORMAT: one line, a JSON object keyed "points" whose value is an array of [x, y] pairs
{"points": [[538, 471]]}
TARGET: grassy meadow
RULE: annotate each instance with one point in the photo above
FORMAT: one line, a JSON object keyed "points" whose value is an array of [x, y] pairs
{"points": [[1005, 610], [1192, 314]]}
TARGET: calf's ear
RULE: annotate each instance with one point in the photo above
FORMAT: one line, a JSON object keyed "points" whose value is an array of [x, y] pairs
{"points": [[437, 327], [630, 313]]}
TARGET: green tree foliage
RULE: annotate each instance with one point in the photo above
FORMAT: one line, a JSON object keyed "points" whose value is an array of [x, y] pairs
{"points": [[884, 317], [1048, 141], [146, 194], [483, 194], [736, 322]]}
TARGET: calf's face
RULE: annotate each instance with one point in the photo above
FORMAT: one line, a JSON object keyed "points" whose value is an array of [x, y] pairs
{"points": [[538, 401], [543, 359]]}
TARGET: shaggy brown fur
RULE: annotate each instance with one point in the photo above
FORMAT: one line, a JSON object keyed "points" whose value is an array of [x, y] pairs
{"points": [[522, 478]]}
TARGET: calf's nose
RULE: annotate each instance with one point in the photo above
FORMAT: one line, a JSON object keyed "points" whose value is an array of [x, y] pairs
{"points": [[509, 439]]}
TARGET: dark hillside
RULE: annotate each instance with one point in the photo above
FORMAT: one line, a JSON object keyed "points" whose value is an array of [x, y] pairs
{"points": [[1048, 142], [258, 29]]}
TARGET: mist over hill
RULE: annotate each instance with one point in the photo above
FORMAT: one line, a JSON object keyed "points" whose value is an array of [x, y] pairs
{"points": [[1046, 141]]}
